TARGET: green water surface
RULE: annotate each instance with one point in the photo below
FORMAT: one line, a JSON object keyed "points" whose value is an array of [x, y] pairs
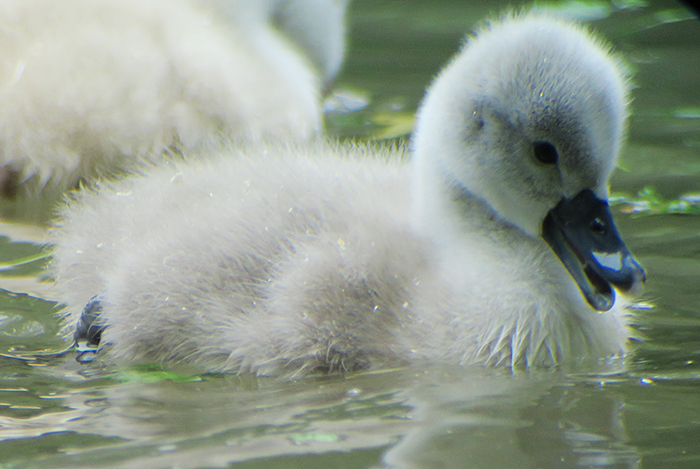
{"points": [[58, 413]]}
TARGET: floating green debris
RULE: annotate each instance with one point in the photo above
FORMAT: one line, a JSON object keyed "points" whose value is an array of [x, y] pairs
{"points": [[150, 374], [673, 15], [687, 113], [313, 437], [394, 124], [649, 202]]}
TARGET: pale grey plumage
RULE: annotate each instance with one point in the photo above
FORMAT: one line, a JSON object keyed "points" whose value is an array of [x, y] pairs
{"points": [[283, 260]]}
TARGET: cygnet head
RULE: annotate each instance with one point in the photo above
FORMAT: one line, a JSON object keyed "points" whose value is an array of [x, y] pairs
{"points": [[528, 117]]}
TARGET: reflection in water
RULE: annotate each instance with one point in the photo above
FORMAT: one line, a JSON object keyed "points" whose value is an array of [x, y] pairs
{"points": [[220, 420], [530, 421], [408, 418], [578, 426]]}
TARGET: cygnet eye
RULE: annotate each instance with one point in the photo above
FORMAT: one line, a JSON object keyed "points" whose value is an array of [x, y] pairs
{"points": [[545, 152]]}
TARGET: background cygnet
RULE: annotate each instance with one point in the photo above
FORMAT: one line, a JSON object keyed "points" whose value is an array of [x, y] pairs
{"points": [[90, 86]]}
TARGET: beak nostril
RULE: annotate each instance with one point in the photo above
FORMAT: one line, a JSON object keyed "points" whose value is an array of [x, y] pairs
{"points": [[597, 226]]}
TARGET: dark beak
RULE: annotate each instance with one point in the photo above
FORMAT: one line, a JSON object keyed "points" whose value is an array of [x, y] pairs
{"points": [[583, 235]]}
